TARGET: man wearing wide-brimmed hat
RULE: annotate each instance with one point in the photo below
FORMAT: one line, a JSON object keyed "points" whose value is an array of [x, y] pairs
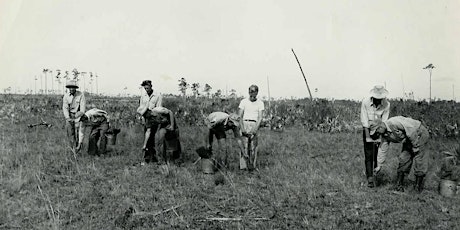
{"points": [[375, 107], [73, 101], [218, 123], [414, 136], [149, 100]]}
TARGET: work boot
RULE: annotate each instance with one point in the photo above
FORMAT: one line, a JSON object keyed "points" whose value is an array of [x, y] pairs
{"points": [[371, 182], [400, 182], [418, 186]]}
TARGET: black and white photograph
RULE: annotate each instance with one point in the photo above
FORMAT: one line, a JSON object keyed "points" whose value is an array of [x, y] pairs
{"points": [[242, 114]]}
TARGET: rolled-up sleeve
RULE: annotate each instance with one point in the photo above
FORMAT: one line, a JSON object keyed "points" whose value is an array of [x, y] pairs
{"points": [[65, 107], [386, 112], [364, 116]]}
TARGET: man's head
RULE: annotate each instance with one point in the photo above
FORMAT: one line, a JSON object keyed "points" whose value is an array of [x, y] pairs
{"points": [[147, 84], [72, 86], [253, 91], [378, 93], [377, 127]]}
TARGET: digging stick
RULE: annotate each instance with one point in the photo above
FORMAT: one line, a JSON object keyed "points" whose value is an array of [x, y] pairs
{"points": [[311, 97]]}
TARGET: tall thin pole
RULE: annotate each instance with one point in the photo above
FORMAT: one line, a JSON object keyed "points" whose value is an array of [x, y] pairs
{"points": [[453, 92], [309, 92], [35, 84], [430, 84], [52, 82], [97, 87], [269, 98], [46, 82]]}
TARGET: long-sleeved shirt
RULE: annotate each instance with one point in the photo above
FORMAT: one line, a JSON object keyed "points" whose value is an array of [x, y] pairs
{"points": [[370, 112], [399, 129], [216, 118], [95, 117], [149, 102], [73, 103]]}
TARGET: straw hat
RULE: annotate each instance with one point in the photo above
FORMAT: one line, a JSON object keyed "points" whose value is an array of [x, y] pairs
{"points": [[379, 92], [71, 84]]}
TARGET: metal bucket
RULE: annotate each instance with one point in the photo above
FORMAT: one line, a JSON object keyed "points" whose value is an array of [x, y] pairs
{"points": [[207, 166], [111, 138], [447, 188]]}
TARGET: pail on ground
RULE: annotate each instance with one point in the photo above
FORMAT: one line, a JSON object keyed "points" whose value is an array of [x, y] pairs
{"points": [[111, 138], [447, 188], [207, 166]]}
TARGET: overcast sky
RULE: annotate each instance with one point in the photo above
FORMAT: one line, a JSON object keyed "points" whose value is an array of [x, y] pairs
{"points": [[344, 47]]}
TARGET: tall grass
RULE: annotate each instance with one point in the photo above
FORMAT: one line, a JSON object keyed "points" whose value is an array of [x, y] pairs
{"points": [[305, 180]]}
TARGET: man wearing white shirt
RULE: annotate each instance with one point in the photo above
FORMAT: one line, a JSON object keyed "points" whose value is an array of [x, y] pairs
{"points": [[150, 100], [250, 112], [375, 107], [72, 102]]}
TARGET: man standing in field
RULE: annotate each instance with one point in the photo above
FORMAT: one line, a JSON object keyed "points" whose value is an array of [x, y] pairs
{"points": [[376, 107], [148, 101], [250, 112], [98, 120], [218, 123], [74, 101], [414, 137]]}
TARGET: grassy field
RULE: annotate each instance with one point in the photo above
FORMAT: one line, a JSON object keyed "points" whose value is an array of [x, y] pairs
{"points": [[305, 180]]}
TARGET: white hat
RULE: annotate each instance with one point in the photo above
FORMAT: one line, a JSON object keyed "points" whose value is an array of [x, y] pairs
{"points": [[379, 92], [71, 84]]}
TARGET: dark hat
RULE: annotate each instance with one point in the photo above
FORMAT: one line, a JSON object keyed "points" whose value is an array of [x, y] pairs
{"points": [[253, 88], [146, 82]]}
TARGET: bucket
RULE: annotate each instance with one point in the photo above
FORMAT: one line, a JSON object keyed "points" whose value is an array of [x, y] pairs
{"points": [[447, 188], [207, 166], [111, 138]]}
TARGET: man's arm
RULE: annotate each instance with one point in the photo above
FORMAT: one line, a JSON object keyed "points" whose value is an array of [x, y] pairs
{"points": [[65, 108], [382, 154], [81, 135], [365, 122], [159, 102], [386, 112], [171, 120], [83, 102], [240, 114], [259, 120], [239, 141], [209, 139]]}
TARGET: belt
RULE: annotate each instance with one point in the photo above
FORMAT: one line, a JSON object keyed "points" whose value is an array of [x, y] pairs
{"points": [[250, 120]]}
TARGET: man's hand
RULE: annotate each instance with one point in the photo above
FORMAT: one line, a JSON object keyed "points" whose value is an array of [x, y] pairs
{"points": [[69, 119], [377, 170], [78, 148], [368, 139], [169, 128]]}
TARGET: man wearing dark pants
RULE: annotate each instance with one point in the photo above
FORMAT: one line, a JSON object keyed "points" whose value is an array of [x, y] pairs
{"points": [[98, 121], [414, 136], [72, 102], [375, 107], [148, 101]]}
